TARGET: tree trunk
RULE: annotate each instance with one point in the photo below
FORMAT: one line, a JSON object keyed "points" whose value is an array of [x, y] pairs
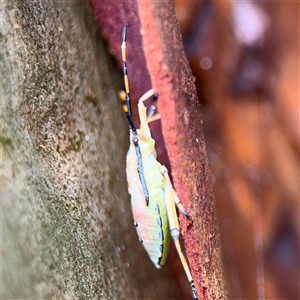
{"points": [[156, 59], [65, 212]]}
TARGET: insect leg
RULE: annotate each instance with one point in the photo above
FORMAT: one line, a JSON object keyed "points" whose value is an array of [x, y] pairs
{"points": [[175, 197], [146, 96], [175, 231], [154, 118], [145, 118], [142, 108]]}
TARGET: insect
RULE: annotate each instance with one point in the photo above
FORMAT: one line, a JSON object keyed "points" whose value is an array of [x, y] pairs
{"points": [[153, 198]]}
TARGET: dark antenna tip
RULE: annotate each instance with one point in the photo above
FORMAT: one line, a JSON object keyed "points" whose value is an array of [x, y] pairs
{"points": [[124, 35]]}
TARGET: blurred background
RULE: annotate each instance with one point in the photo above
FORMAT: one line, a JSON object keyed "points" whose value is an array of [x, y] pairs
{"points": [[245, 57]]}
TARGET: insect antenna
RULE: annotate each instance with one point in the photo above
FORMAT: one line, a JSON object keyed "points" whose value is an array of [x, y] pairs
{"points": [[127, 104], [128, 111]]}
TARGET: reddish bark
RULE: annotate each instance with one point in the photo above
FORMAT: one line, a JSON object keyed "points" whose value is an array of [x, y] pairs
{"points": [[179, 107], [182, 129], [249, 94]]}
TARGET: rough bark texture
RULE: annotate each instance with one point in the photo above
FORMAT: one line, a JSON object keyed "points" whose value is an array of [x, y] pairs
{"points": [[155, 45], [182, 130], [66, 226]]}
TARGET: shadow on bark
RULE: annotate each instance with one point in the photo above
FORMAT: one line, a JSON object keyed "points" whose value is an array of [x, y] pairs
{"points": [[65, 212]]}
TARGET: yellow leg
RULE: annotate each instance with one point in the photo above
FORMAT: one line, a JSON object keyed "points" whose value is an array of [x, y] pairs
{"points": [[144, 118], [171, 200], [175, 197], [154, 118], [122, 96], [146, 96], [142, 108]]}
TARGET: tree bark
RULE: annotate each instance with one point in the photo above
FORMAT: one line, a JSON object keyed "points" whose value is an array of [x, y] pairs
{"points": [[66, 224], [155, 46], [182, 130]]}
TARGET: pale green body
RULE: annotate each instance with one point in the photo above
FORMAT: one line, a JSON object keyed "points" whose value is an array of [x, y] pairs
{"points": [[151, 221]]}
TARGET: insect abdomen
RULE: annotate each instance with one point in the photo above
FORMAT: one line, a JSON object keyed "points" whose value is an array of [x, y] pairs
{"points": [[152, 226], [151, 221]]}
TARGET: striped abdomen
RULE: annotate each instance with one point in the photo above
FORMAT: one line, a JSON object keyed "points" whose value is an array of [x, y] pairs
{"points": [[151, 221]]}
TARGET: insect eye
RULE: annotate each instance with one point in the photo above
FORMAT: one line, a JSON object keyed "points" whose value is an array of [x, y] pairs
{"points": [[135, 141]]}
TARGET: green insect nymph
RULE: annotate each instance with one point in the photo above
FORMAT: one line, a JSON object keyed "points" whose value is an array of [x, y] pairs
{"points": [[153, 198]]}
